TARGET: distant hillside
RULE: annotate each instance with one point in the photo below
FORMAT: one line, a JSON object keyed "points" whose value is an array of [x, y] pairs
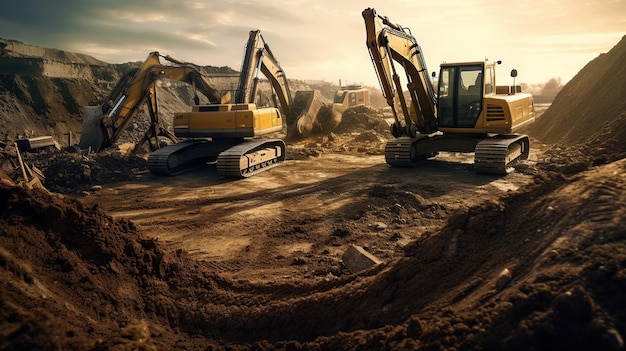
{"points": [[593, 98], [43, 91]]}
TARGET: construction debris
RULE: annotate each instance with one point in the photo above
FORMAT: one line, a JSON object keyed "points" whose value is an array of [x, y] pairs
{"points": [[356, 259]]}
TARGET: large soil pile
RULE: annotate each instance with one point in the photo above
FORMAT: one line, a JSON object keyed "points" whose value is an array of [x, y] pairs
{"points": [[542, 268], [592, 98]]}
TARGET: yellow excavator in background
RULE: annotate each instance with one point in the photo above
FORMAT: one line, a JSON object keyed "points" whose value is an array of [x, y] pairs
{"points": [[469, 113], [351, 96], [229, 134], [103, 125]]}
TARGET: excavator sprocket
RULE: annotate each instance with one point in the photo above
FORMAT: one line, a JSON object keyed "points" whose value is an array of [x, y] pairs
{"points": [[250, 158], [496, 154]]}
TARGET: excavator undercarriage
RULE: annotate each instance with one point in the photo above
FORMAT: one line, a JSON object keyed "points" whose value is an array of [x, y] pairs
{"points": [[235, 158], [251, 157], [492, 154]]}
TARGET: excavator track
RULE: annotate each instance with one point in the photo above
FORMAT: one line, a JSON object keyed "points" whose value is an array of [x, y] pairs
{"points": [[496, 154], [400, 152], [178, 158], [403, 152], [250, 158], [491, 154]]}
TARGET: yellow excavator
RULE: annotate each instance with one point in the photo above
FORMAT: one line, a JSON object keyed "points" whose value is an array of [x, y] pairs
{"points": [[229, 135], [468, 113], [103, 125], [351, 96]]}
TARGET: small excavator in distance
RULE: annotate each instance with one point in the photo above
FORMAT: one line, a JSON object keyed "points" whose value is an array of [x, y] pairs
{"points": [[351, 96], [469, 113], [229, 134], [103, 125]]}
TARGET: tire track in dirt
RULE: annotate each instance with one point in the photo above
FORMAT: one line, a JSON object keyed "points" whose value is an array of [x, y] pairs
{"points": [[297, 220]]}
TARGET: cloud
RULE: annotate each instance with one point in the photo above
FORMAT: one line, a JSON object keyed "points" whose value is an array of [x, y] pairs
{"points": [[323, 39]]}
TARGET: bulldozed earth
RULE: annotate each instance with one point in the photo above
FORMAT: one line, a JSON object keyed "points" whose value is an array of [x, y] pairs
{"points": [[112, 257]]}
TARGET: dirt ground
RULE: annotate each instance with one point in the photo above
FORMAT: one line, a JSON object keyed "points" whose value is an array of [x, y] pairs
{"points": [[296, 221], [115, 258], [198, 262]]}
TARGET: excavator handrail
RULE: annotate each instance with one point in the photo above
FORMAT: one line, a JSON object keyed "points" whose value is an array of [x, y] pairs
{"points": [[258, 57], [387, 43]]}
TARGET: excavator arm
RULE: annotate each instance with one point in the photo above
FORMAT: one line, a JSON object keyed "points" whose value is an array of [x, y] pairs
{"points": [[258, 57], [389, 45], [305, 112], [103, 126]]}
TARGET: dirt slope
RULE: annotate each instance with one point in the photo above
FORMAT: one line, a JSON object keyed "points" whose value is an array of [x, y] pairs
{"points": [[592, 98]]}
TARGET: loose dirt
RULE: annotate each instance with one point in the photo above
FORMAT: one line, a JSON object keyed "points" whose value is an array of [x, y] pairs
{"points": [[119, 259]]}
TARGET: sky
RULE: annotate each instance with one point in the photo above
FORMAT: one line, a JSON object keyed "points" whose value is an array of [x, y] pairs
{"points": [[324, 39]]}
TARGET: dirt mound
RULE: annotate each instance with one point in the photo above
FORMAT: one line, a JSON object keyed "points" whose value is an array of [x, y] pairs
{"points": [[605, 146], [362, 118], [549, 294], [363, 130], [592, 98], [70, 273], [70, 171], [75, 278]]}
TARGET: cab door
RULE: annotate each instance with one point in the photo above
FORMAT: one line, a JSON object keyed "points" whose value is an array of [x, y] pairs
{"points": [[460, 96]]}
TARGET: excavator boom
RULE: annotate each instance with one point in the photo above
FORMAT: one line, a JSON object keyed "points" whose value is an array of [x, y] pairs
{"points": [[388, 44], [259, 58], [305, 113]]}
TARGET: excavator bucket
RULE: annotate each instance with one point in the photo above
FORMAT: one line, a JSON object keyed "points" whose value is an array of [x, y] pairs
{"points": [[93, 134], [311, 115]]}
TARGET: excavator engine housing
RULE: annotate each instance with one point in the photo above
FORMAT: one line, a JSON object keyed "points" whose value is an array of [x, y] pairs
{"points": [[227, 120]]}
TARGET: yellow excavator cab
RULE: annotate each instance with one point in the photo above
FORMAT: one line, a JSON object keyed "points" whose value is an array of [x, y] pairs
{"points": [[468, 103]]}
